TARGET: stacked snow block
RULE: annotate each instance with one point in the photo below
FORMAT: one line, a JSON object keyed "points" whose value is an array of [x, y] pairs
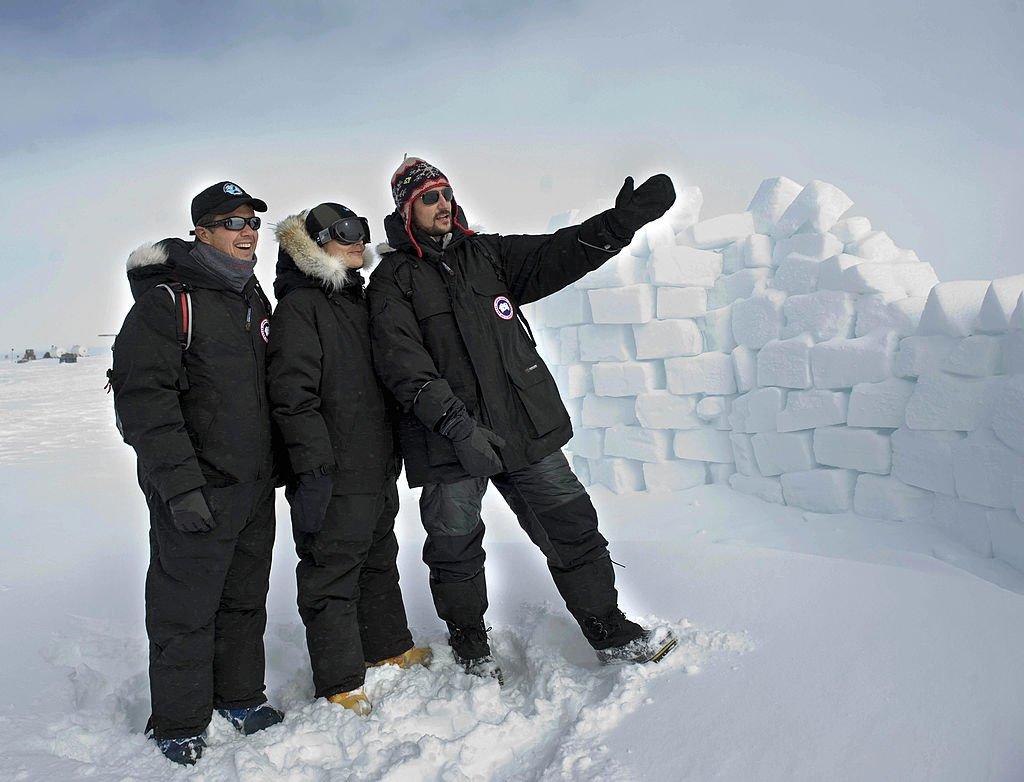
{"points": [[801, 356]]}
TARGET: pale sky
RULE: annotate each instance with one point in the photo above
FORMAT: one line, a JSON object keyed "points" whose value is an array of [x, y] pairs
{"points": [[117, 113]]}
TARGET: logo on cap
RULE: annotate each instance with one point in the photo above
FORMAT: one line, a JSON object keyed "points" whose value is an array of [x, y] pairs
{"points": [[504, 308], [232, 189], [265, 329]]}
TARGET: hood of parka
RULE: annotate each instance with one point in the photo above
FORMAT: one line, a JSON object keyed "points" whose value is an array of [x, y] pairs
{"points": [[412, 240], [302, 263], [170, 260]]}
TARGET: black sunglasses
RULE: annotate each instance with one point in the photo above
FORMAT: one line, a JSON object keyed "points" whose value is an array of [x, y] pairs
{"points": [[235, 223], [348, 230], [430, 197]]}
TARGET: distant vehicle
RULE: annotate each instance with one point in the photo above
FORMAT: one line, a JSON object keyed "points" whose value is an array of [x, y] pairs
{"points": [[68, 358]]}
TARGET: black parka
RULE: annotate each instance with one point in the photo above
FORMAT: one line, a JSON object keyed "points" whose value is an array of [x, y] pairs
{"points": [[453, 312], [196, 417], [326, 400]]}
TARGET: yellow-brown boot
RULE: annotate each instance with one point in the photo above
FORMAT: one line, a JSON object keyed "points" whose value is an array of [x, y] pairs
{"points": [[355, 700], [417, 655]]}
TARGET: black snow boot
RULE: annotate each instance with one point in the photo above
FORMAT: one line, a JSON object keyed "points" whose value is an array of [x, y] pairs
{"points": [[650, 646], [473, 653], [183, 751], [252, 719]]}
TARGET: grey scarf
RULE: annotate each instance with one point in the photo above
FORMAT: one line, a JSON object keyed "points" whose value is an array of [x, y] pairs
{"points": [[233, 272]]}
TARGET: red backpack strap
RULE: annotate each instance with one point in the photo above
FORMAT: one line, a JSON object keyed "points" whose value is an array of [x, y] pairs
{"points": [[182, 299]]}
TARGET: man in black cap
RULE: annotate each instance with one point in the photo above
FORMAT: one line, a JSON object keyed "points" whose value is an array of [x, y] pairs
{"points": [[450, 342], [189, 388]]}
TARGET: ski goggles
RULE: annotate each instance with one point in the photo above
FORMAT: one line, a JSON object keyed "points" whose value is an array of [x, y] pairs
{"points": [[430, 197], [234, 223], [348, 230]]}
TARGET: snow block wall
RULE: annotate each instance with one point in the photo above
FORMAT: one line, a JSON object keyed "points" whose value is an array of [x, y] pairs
{"points": [[800, 356]]}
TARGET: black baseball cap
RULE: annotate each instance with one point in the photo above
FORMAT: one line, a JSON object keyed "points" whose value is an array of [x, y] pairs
{"points": [[222, 198]]}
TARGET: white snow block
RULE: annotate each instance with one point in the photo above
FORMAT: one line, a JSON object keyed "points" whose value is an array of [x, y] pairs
{"points": [[952, 308], [880, 404], [686, 210], [979, 355], [636, 442], [1008, 412], [588, 443], [867, 450], [581, 468], [782, 452], [665, 410], [703, 445], [568, 345], [575, 381], [950, 402], [823, 314], [812, 409], [677, 475], [767, 489], [660, 232], [575, 409], [818, 246], [964, 522], [606, 343], [888, 311], [631, 304], [743, 454], [739, 285], [708, 373], [823, 490], [885, 497], [680, 266], [922, 355], [1013, 352], [620, 270], [842, 363], [871, 278], [925, 459], [984, 470], [603, 411], [1007, 532], [668, 338], [567, 307], [785, 362], [712, 408], [917, 279], [816, 209], [732, 258], [831, 271], [850, 229], [717, 328], [720, 231], [720, 473], [874, 246], [621, 476], [758, 320], [754, 251], [744, 363], [998, 305], [771, 200], [628, 378], [797, 274], [682, 302], [760, 409]]}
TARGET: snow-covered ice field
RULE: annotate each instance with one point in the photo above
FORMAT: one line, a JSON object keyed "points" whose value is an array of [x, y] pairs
{"points": [[814, 647]]}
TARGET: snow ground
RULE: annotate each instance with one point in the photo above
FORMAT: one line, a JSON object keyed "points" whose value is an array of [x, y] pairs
{"points": [[814, 647]]}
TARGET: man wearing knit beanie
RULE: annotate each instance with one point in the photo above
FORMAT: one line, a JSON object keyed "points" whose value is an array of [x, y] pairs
{"points": [[478, 403]]}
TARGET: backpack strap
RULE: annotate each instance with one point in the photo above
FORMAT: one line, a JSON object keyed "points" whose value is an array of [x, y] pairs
{"points": [[182, 300]]}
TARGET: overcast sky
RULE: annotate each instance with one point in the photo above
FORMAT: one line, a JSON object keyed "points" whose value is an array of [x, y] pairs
{"points": [[116, 113]]}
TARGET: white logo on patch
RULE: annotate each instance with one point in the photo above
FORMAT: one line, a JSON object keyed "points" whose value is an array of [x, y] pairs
{"points": [[265, 329], [504, 308], [232, 189]]}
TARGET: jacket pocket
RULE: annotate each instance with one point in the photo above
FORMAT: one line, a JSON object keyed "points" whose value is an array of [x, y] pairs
{"points": [[428, 303], [538, 393]]}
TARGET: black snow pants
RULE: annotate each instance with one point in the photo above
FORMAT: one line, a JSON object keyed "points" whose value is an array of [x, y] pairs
{"points": [[206, 595], [348, 592], [555, 511]]}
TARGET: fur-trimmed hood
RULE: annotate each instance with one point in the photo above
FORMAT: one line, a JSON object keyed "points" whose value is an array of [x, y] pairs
{"points": [[299, 251]]}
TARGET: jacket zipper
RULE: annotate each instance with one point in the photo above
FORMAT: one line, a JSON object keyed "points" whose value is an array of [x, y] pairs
{"points": [[256, 371]]}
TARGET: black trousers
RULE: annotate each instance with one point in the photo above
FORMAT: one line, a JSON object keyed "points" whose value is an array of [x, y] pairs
{"points": [[206, 596], [348, 592], [555, 511]]}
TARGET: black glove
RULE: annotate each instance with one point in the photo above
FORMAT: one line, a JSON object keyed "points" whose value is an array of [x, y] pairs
{"points": [[190, 512], [309, 498], [474, 444], [636, 208]]}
